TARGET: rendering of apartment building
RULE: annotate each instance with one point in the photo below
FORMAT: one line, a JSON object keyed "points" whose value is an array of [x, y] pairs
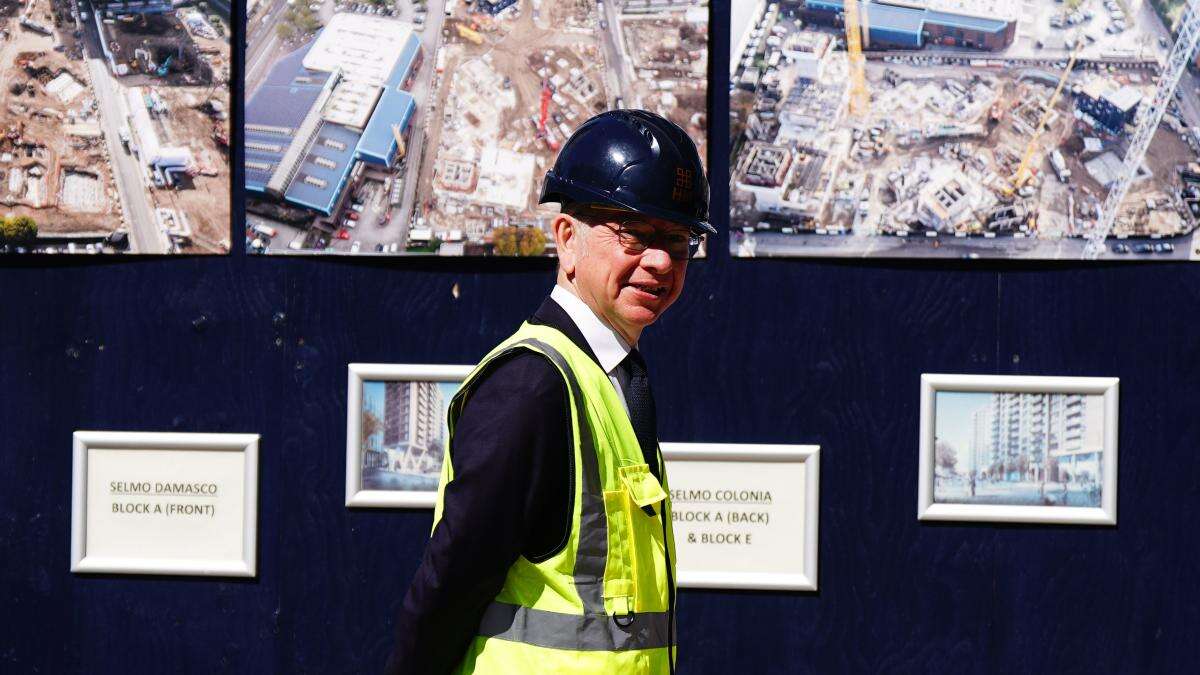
{"points": [[412, 423], [981, 434], [1039, 437]]}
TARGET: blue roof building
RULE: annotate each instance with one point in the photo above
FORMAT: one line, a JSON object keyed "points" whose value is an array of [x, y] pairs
{"points": [[406, 63], [395, 108], [888, 24], [910, 25], [378, 144], [295, 153], [326, 166], [897, 26], [275, 112], [979, 23]]}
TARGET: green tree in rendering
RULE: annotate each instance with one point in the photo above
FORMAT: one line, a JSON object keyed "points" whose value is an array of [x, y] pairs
{"points": [[371, 424], [996, 470], [945, 455]]}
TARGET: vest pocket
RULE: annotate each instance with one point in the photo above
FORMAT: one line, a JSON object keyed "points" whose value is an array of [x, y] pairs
{"points": [[643, 488], [635, 543]]}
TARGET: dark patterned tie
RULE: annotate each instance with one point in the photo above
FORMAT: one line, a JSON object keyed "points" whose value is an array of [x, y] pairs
{"points": [[641, 408]]}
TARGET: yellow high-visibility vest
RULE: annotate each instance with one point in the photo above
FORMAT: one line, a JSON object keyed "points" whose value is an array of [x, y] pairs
{"points": [[603, 603]]}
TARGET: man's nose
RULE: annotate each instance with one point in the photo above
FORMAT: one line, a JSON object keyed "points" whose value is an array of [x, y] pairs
{"points": [[656, 260]]}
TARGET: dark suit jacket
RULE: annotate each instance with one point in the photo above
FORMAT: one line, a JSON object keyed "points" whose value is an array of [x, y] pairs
{"points": [[510, 497]]}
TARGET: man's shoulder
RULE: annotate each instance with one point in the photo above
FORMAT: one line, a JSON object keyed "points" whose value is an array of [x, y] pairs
{"points": [[520, 377]]}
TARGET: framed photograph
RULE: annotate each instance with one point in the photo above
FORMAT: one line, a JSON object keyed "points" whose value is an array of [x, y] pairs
{"points": [[125, 151], [745, 516], [164, 503], [1018, 449], [396, 433], [379, 131], [952, 153]]}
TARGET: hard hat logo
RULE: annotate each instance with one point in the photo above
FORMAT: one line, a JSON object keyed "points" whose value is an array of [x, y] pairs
{"points": [[683, 185], [633, 160]]}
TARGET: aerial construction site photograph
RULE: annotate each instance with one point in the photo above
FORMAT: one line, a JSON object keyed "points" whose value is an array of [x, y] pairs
{"points": [[114, 126], [1037, 129], [424, 127]]}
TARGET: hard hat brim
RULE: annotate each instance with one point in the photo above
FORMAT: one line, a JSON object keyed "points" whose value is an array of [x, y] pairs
{"points": [[564, 192]]}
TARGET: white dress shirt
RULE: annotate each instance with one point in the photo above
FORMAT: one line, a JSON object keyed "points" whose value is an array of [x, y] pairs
{"points": [[608, 345]]}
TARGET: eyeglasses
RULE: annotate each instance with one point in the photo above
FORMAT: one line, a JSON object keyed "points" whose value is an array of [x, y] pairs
{"points": [[638, 236]]}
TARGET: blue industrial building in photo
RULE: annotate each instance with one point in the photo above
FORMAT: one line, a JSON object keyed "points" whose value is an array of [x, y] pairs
{"points": [[379, 144], [301, 145], [274, 113], [396, 106], [912, 25], [322, 174], [892, 26]]}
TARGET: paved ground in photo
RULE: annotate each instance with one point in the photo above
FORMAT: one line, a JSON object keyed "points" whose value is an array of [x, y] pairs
{"points": [[1015, 494], [381, 479]]}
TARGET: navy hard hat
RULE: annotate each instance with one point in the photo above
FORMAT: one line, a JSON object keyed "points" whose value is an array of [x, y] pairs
{"points": [[636, 161]]}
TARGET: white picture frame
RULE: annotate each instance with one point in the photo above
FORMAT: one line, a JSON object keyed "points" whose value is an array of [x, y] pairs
{"points": [[358, 373], [93, 538], [788, 574], [932, 508]]}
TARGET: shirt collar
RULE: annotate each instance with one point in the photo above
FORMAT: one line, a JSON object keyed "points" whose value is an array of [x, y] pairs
{"points": [[609, 347]]}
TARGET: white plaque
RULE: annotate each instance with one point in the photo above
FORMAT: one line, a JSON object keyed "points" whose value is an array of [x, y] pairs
{"points": [[745, 516], [164, 503]]}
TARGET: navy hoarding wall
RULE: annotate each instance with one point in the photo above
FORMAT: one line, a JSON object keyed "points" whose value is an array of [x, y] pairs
{"points": [[756, 351]]}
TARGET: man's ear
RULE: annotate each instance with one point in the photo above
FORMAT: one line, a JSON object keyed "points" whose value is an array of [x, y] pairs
{"points": [[566, 239]]}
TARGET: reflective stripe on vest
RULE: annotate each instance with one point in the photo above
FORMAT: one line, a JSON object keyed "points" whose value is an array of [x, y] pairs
{"points": [[592, 553], [588, 632]]}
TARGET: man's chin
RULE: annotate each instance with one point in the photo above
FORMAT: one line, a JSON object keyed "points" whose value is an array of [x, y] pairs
{"points": [[640, 315]]}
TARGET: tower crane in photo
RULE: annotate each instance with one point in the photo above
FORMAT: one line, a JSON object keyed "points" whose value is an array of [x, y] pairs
{"points": [[1148, 118], [544, 110], [860, 99], [1024, 172]]}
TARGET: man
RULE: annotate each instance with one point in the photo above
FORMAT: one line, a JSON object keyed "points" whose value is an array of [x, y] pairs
{"points": [[551, 549]]}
